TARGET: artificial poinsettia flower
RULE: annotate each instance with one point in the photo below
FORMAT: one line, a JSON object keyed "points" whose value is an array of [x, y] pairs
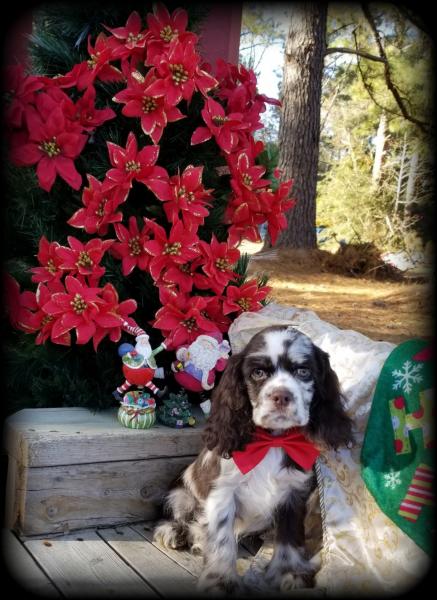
{"points": [[219, 258], [154, 113], [164, 28], [223, 127], [184, 276], [179, 75], [99, 208], [188, 199], [85, 112], [98, 65], [246, 297], [84, 259], [76, 308], [112, 315], [238, 86], [245, 174], [49, 260], [53, 149], [130, 39], [48, 101], [182, 320], [214, 312], [277, 203], [130, 248], [130, 163], [247, 231], [19, 91], [178, 248], [44, 321], [19, 306]]}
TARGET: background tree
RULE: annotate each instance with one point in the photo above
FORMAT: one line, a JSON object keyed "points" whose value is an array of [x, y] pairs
{"points": [[376, 133], [370, 149], [299, 129]]}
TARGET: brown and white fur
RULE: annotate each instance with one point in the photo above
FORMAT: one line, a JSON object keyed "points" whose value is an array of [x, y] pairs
{"points": [[279, 381]]}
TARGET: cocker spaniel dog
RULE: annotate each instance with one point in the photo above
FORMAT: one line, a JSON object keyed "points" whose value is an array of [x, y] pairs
{"points": [[277, 401]]}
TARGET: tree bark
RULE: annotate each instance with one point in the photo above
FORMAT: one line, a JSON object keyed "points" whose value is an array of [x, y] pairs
{"points": [[299, 129]]}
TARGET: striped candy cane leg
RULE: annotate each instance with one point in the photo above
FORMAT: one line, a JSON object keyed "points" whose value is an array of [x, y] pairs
{"points": [[133, 330], [124, 387], [152, 387], [419, 493]]}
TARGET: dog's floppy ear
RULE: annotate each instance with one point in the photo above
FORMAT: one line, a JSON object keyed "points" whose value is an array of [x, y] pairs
{"points": [[229, 425], [328, 420]]}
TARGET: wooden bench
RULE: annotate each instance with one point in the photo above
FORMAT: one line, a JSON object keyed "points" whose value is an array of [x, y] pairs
{"points": [[70, 468]]}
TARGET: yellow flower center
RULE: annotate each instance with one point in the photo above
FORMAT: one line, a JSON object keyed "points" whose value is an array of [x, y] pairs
{"points": [[47, 319], [186, 268], [100, 212], [167, 34], [222, 264], [190, 196], [244, 303], [133, 39], [132, 166], [51, 267], [172, 249], [92, 61], [179, 74], [51, 148], [149, 104], [78, 304], [84, 259], [218, 120], [190, 323], [247, 179], [135, 246]]}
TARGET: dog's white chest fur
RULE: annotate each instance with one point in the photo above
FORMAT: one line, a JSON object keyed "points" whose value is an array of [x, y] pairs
{"points": [[258, 492]]}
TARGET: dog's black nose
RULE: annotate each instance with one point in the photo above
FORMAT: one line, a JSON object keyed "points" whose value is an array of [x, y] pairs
{"points": [[281, 397]]}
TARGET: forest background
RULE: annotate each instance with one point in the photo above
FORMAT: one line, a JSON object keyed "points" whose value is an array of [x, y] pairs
{"points": [[375, 171]]}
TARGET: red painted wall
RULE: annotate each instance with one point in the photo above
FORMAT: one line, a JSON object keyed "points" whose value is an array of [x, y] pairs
{"points": [[220, 37]]}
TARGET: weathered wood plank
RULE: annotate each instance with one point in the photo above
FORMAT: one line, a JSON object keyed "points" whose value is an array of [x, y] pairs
{"points": [[14, 501], [83, 565], [38, 437], [192, 562], [162, 573], [63, 498], [23, 569]]}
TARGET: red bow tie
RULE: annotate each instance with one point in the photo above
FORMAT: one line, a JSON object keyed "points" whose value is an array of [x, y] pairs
{"points": [[295, 444]]}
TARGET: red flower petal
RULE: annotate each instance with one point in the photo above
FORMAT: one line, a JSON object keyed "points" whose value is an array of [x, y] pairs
{"points": [[200, 135]]}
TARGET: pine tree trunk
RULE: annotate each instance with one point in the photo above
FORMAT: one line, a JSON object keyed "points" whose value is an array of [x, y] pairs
{"points": [[379, 148], [299, 130]]}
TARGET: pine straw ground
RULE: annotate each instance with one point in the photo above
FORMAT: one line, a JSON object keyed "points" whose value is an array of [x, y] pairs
{"points": [[352, 289]]}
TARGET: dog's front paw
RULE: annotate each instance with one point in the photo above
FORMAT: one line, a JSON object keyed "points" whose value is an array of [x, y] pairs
{"points": [[220, 584], [289, 570], [293, 581], [171, 535]]}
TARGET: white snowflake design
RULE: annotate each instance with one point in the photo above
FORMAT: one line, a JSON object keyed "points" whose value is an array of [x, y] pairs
{"points": [[407, 376], [392, 479]]}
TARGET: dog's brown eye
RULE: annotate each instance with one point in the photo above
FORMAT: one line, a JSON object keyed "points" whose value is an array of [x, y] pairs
{"points": [[303, 372], [258, 374]]}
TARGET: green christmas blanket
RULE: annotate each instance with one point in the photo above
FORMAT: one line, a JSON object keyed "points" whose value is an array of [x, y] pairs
{"points": [[398, 450]]}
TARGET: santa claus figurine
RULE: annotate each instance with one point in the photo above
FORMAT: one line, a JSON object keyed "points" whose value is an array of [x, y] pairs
{"points": [[139, 366], [196, 364]]}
